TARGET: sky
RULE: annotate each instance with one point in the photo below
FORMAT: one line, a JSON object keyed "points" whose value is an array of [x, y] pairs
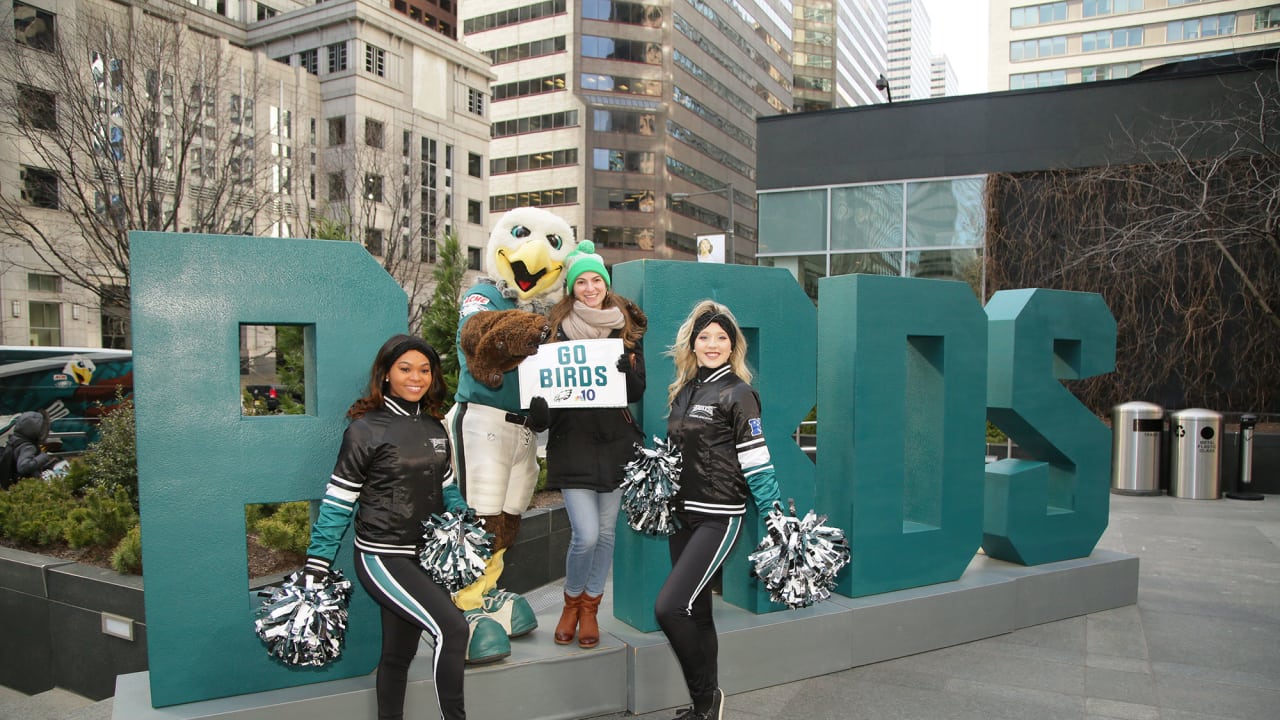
{"points": [[959, 30]]}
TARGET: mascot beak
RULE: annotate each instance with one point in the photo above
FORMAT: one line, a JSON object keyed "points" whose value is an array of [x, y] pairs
{"points": [[529, 268]]}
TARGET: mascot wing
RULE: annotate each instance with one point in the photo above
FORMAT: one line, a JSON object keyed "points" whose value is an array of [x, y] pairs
{"points": [[527, 248]]}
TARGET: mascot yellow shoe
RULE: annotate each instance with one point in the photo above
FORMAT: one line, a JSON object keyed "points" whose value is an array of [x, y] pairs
{"points": [[502, 321]]}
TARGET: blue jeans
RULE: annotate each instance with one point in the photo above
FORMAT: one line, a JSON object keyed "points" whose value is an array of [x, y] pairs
{"points": [[593, 521]]}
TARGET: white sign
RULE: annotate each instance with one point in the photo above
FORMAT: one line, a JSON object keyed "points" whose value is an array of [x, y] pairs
{"points": [[575, 373], [711, 248]]}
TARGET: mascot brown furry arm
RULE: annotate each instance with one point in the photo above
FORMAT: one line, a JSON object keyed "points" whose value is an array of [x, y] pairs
{"points": [[503, 320]]}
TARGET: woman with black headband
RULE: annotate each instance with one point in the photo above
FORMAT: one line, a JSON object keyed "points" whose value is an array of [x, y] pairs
{"points": [[715, 424], [395, 465]]}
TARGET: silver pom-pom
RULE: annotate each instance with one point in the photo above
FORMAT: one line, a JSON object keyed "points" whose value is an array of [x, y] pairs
{"points": [[303, 622], [649, 482], [454, 551], [799, 558]]}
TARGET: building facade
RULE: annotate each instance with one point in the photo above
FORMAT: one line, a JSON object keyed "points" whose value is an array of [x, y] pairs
{"points": [[275, 120], [1071, 41], [634, 121], [841, 48], [942, 77], [910, 72]]}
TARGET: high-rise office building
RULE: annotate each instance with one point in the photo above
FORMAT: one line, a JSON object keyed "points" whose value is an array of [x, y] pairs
{"points": [[1071, 41], [942, 77], [272, 118], [633, 120], [840, 51], [910, 50]]}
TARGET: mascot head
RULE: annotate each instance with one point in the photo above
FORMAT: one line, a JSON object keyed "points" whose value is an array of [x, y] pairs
{"points": [[80, 369], [527, 250]]}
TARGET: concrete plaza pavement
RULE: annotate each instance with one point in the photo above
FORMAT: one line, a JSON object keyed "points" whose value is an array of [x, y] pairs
{"points": [[1202, 643]]}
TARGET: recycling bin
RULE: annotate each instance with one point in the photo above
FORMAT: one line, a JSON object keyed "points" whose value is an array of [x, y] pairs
{"points": [[1195, 442], [1135, 448]]}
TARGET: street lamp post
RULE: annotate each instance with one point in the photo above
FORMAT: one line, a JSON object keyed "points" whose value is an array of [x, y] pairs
{"points": [[727, 189]]}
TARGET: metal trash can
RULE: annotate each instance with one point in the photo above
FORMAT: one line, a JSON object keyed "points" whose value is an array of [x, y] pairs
{"points": [[1195, 442], [1135, 448]]}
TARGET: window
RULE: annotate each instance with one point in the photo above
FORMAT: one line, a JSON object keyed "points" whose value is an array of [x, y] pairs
{"points": [[373, 240], [533, 86], [39, 282], [475, 165], [40, 187], [1106, 39], [1109, 72], [337, 131], [373, 187], [523, 51], [475, 102], [1038, 14], [374, 132], [46, 323], [1204, 27], [1038, 47], [1041, 79], [612, 160], [337, 187], [265, 12], [534, 198], [1267, 18], [375, 60], [474, 212], [37, 108], [1093, 8], [473, 258], [310, 61], [337, 57], [33, 27]]}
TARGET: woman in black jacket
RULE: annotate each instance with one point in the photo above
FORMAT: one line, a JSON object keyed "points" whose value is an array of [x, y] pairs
{"points": [[393, 472], [715, 424], [588, 447]]}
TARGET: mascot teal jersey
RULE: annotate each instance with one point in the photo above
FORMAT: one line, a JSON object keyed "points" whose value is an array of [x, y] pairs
{"points": [[481, 297]]}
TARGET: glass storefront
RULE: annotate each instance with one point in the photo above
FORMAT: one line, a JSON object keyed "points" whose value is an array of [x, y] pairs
{"points": [[929, 229]]}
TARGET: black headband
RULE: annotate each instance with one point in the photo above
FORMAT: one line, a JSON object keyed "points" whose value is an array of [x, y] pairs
{"points": [[719, 318], [414, 343]]}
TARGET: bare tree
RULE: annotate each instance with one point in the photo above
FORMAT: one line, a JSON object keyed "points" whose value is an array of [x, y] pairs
{"points": [[375, 192], [1183, 240], [127, 121]]}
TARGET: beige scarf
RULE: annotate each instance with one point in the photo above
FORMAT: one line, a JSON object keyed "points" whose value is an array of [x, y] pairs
{"points": [[586, 323]]}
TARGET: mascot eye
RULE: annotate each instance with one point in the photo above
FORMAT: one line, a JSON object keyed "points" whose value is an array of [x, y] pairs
{"points": [[521, 231], [556, 241]]}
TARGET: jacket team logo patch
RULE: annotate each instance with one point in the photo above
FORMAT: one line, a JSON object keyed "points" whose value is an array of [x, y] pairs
{"points": [[754, 423], [701, 412], [440, 445], [474, 302]]}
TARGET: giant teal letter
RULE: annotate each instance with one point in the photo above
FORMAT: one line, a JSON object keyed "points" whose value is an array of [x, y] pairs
{"points": [[780, 322], [901, 381], [200, 462], [1054, 508]]}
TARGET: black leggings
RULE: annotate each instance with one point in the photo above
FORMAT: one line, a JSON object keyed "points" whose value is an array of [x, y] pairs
{"points": [[411, 603], [683, 608]]}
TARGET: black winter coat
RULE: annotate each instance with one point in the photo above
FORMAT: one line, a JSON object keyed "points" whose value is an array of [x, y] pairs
{"points": [[588, 447]]}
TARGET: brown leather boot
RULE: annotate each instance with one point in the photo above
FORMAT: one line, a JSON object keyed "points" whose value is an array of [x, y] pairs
{"points": [[588, 628], [568, 624]]}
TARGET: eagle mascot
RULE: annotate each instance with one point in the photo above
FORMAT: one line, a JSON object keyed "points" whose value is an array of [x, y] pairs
{"points": [[502, 320]]}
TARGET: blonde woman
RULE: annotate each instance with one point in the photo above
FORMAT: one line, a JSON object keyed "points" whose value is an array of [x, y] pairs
{"points": [[714, 421]]}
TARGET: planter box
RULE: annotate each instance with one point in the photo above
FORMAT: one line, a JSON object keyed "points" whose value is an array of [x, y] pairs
{"points": [[53, 622], [54, 614]]}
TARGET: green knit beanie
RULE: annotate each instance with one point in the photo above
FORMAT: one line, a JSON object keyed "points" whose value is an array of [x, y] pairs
{"points": [[583, 259]]}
